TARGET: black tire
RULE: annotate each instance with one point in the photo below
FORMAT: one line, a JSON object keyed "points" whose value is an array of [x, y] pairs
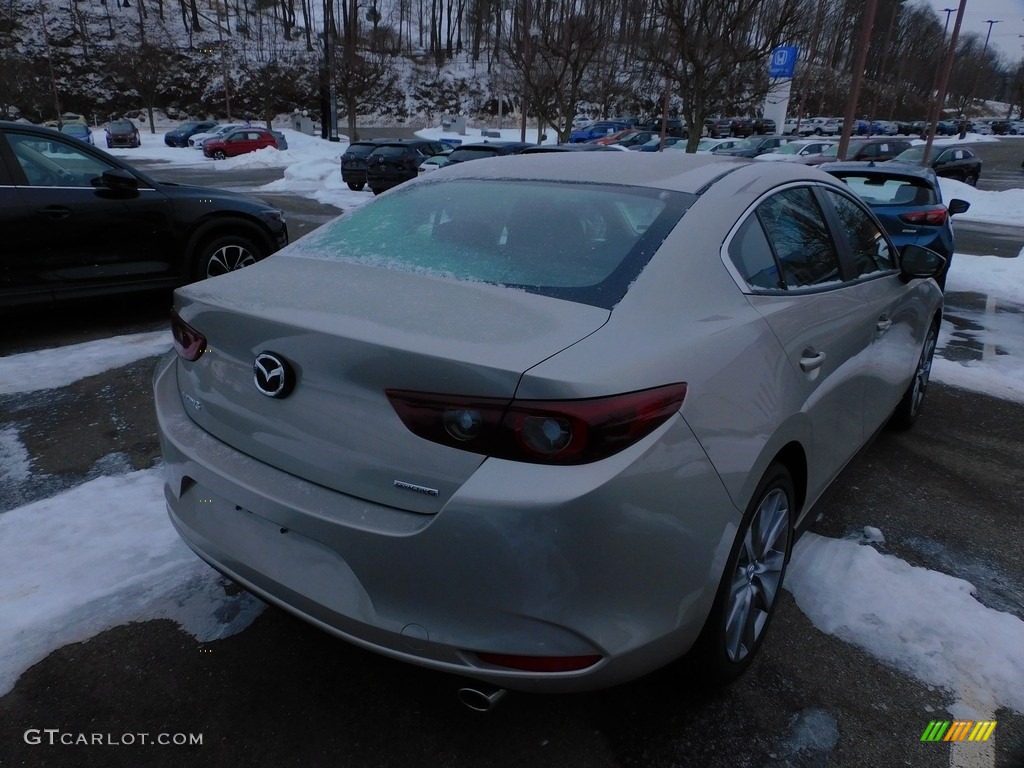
{"points": [[909, 409], [219, 155], [109, 145], [356, 186], [972, 179], [226, 253], [724, 650]]}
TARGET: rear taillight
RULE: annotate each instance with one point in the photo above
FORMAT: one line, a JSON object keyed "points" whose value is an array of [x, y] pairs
{"points": [[538, 431], [189, 342], [933, 217]]}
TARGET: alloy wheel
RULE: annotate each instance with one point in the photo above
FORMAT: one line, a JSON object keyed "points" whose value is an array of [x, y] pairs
{"points": [[757, 577], [228, 258], [923, 372]]}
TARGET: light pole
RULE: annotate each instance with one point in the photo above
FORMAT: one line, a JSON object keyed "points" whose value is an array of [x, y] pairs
{"points": [[945, 29], [940, 97], [981, 64]]}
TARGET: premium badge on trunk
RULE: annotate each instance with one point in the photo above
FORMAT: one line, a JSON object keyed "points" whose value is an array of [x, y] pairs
{"points": [[272, 375]]}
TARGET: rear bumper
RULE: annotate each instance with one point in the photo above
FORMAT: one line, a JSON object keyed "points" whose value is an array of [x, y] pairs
{"points": [[537, 561]]}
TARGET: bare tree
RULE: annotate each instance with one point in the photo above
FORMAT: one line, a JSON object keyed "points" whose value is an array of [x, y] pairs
{"points": [[715, 52], [554, 61], [148, 69]]}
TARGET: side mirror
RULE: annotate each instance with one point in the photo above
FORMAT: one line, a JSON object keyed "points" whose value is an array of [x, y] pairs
{"points": [[119, 181], [957, 206], [916, 262]]}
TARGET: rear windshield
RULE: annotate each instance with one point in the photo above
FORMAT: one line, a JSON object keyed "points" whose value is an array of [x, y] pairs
{"points": [[121, 126], [874, 190], [390, 150], [581, 242], [361, 150], [472, 153]]}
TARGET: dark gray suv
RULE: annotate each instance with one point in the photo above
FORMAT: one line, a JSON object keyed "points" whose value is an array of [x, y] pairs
{"points": [[398, 160]]}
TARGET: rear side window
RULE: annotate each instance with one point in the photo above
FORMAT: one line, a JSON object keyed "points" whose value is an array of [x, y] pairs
{"points": [[752, 256], [580, 242]]}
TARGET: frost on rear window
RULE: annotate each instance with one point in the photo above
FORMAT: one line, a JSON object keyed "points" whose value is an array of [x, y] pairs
{"points": [[582, 242]]}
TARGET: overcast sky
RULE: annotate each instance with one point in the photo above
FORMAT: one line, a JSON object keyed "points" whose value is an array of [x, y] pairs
{"points": [[1009, 14]]}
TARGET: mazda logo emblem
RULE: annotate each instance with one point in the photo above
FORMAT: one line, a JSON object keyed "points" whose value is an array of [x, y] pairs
{"points": [[272, 375]]}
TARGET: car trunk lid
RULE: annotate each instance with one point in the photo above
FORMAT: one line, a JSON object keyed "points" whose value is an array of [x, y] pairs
{"points": [[349, 332]]}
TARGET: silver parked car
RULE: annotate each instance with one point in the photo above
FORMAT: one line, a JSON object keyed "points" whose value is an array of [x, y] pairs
{"points": [[547, 422]]}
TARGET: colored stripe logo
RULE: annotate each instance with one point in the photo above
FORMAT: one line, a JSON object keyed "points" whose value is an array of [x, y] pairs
{"points": [[958, 730]]}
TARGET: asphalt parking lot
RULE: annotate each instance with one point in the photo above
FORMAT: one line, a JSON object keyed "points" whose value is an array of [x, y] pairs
{"points": [[948, 495]]}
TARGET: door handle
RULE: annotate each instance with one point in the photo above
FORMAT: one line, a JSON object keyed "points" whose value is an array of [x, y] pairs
{"points": [[810, 359], [55, 212], [883, 324]]}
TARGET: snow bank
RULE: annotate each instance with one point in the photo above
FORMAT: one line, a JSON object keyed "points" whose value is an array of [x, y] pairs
{"points": [[922, 622]]}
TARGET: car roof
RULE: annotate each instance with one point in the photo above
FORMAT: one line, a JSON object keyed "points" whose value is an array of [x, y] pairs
{"points": [[498, 144], [682, 172]]}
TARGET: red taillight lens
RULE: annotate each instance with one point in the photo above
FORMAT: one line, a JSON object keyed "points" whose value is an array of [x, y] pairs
{"points": [[933, 217], [538, 431], [189, 342], [540, 663]]}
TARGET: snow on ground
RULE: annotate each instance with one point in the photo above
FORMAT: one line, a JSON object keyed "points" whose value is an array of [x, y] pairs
{"points": [[922, 622], [58, 367], [1000, 372], [1006, 207], [97, 556], [15, 462]]}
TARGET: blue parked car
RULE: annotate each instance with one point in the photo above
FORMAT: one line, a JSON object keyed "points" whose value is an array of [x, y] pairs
{"points": [[598, 130], [79, 131], [907, 201]]}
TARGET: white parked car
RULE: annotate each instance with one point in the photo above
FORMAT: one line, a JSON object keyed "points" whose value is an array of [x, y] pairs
{"points": [[790, 126], [820, 126], [796, 151], [705, 146], [196, 142]]}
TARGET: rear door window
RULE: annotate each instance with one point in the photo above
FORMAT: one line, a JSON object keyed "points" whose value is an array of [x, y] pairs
{"points": [[800, 237], [868, 246]]}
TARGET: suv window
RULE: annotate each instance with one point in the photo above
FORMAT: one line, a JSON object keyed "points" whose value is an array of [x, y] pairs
{"points": [[800, 238], [361, 148], [393, 150], [55, 163]]}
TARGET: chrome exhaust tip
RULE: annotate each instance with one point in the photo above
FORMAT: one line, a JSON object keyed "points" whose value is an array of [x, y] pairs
{"points": [[481, 698]]}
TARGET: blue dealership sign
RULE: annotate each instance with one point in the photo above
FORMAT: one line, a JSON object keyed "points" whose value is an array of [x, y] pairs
{"points": [[783, 61]]}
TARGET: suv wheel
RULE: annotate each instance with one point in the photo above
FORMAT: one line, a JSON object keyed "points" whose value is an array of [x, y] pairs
{"points": [[356, 186], [219, 155], [972, 179], [226, 253]]}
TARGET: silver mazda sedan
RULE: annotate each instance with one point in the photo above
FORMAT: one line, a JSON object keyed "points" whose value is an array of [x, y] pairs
{"points": [[550, 422]]}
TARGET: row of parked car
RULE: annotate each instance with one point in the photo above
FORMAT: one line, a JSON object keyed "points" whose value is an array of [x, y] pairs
{"points": [[220, 141]]}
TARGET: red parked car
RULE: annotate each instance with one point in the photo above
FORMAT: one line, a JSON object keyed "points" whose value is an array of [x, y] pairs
{"points": [[238, 142]]}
